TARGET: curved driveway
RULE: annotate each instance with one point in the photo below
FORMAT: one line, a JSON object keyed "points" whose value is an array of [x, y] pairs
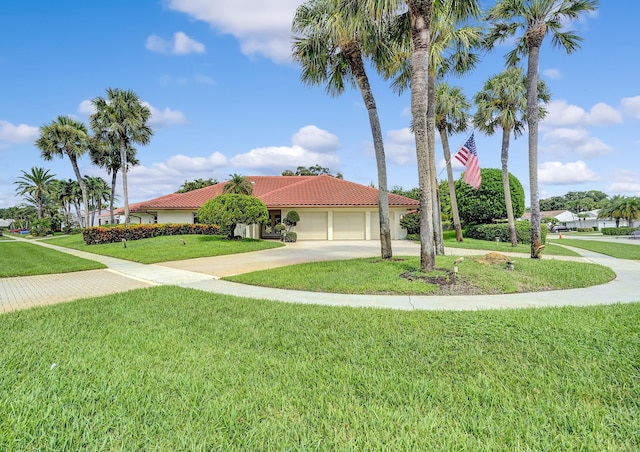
{"points": [[205, 273]]}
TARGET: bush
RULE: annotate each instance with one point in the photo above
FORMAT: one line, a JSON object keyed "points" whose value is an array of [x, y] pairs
{"points": [[229, 210], [411, 222], [290, 236], [618, 231], [41, 228], [584, 229], [501, 230], [99, 235]]}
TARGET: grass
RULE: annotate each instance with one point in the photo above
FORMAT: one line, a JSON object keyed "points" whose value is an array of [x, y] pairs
{"points": [[27, 259], [164, 249], [175, 369], [618, 250], [502, 247], [375, 276]]}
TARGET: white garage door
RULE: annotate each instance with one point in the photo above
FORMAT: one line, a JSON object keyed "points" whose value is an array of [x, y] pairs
{"points": [[349, 225], [312, 226], [375, 225]]}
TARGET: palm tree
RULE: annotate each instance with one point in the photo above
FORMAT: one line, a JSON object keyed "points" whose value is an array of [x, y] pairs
{"points": [[106, 154], [122, 118], [238, 185], [630, 209], [36, 184], [612, 209], [66, 136], [451, 116], [537, 18], [98, 191], [502, 103], [333, 42]]}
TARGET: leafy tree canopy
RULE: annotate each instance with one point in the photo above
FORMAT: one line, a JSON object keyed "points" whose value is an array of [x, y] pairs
{"points": [[487, 203], [315, 170], [228, 210], [576, 201], [413, 193], [196, 184]]}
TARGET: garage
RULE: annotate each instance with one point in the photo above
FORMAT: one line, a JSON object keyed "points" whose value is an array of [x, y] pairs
{"points": [[312, 225], [349, 226]]}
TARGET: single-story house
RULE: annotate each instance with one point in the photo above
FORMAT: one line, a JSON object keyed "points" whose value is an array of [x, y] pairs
{"points": [[329, 208], [572, 220], [5, 223]]}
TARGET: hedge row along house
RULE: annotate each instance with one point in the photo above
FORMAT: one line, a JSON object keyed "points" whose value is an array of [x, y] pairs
{"points": [[329, 208]]}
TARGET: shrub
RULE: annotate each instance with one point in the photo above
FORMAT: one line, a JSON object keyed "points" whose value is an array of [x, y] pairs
{"points": [[584, 229], [411, 222], [99, 235], [618, 231], [229, 210], [501, 230], [290, 236]]}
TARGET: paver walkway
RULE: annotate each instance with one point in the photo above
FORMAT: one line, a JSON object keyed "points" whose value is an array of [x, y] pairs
{"points": [[204, 274]]}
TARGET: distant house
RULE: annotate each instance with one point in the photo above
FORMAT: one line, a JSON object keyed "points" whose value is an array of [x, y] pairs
{"points": [[572, 220], [329, 208], [5, 223]]}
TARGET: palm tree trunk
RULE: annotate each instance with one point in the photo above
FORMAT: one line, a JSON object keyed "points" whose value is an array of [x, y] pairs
{"points": [[420, 13], [114, 175], [532, 119], [125, 191], [452, 190], [431, 129], [354, 58], [83, 189], [504, 158]]}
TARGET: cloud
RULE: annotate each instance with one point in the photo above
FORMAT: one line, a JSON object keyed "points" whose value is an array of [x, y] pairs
{"points": [[12, 134], [552, 73], [400, 147], [557, 173], [263, 28], [626, 181], [631, 106], [313, 138], [563, 141], [181, 44], [204, 79], [86, 107], [561, 114], [164, 118]]}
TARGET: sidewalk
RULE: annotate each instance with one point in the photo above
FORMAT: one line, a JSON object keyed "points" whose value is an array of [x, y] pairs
{"points": [[204, 273]]}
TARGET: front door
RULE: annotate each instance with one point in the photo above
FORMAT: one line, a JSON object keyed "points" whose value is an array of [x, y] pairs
{"points": [[268, 230]]}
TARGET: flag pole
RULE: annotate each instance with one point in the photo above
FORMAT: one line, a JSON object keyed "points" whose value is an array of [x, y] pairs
{"points": [[448, 162]]}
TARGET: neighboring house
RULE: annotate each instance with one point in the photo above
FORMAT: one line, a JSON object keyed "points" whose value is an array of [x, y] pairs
{"points": [[329, 208], [572, 220], [5, 223]]}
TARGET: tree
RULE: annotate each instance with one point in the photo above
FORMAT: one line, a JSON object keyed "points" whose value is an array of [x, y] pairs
{"points": [[334, 38], [315, 170], [630, 209], [36, 184], [451, 116], [487, 203], [537, 18], [228, 210], [553, 203], [66, 136], [106, 154], [98, 191], [122, 118], [196, 184], [502, 104], [239, 185]]}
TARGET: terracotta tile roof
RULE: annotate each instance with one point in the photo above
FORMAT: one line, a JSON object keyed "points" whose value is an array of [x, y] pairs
{"points": [[284, 191]]}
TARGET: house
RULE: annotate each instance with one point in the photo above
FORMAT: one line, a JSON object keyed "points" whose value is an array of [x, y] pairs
{"points": [[572, 220], [329, 208]]}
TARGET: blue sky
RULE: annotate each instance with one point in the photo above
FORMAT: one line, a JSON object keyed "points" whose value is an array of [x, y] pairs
{"points": [[226, 98]]}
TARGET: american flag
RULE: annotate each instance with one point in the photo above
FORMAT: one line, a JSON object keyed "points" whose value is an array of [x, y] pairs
{"points": [[468, 157]]}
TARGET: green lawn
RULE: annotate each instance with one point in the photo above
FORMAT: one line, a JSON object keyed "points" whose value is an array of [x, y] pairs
{"points": [[618, 250], [26, 259], [375, 276], [167, 248], [175, 369]]}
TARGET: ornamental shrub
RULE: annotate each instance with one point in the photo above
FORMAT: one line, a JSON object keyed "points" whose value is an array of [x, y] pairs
{"points": [[99, 235], [229, 210], [625, 230], [411, 222], [501, 230]]}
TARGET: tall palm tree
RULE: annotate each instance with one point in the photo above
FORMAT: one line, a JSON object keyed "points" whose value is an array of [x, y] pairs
{"points": [[106, 154], [37, 184], [123, 118], [451, 116], [630, 209], [66, 136], [502, 104], [612, 209], [537, 18], [98, 191], [332, 44], [238, 185]]}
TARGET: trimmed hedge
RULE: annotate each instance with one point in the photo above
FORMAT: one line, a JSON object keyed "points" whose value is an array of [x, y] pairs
{"points": [[586, 229], [625, 230], [99, 235], [501, 230]]}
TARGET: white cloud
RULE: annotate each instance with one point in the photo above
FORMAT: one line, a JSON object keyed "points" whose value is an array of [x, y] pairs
{"points": [[181, 44], [86, 107], [631, 106], [164, 118], [12, 134], [279, 158], [561, 114], [563, 141], [263, 28], [313, 138], [205, 79], [400, 147], [557, 173], [625, 181], [552, 73]]}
